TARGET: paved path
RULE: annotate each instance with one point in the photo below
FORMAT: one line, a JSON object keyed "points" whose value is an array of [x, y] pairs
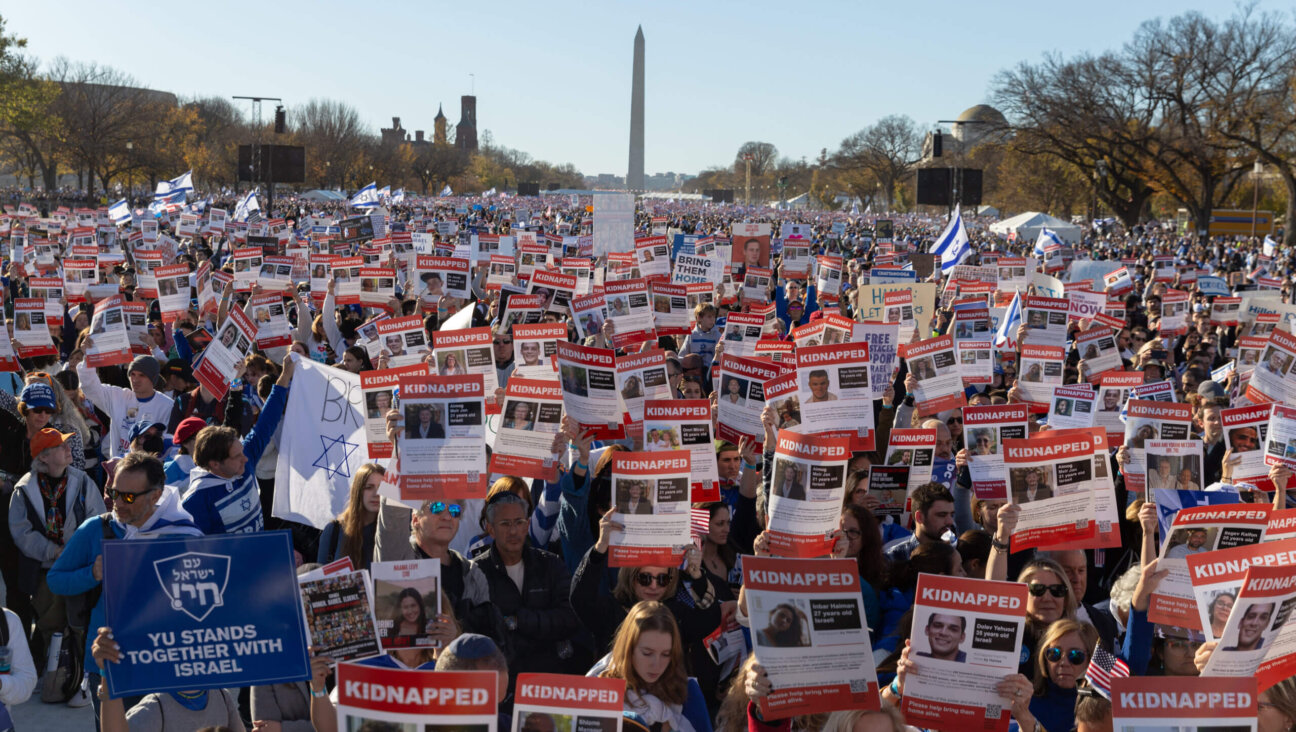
{"points": [[33, 715]]}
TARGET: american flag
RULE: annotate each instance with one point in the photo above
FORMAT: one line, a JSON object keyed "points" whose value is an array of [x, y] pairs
{"points": [[700, 521], [1103, 667]]}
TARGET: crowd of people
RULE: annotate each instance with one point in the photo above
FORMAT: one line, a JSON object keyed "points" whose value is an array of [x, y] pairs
{"points": [[143, 450]]}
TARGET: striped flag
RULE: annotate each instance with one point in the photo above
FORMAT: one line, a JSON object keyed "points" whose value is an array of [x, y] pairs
{"points": [[953, 245], [1011, 321], [1104, 667], [366, 197], [700, 521], [1046, 237], [119, 212]]}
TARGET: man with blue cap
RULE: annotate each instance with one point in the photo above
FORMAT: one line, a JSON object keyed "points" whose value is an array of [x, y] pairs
{"points": [[473, 652]]}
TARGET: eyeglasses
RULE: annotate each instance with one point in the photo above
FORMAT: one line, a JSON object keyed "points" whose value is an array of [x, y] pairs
{"points": [[127, 497], [1183, 646], [439, 507], [852, 534], [954, 420], [41, 410], [1074, 656], [646, 580], [1037, 590]]}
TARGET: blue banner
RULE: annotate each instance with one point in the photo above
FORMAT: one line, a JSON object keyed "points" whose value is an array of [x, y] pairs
{"points": [[887, 276], [206, 612], [1213, 287], [683, 244]]}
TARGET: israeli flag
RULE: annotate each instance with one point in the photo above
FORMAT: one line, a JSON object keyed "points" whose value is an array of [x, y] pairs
{"points": [[953, 245], [398, 196], [119, 212], [1270, 246], [182, 183], [246, 206], [1011, 321], [489, 193], [384, 193], [1046, 237], [446, 191], [366, 197]]}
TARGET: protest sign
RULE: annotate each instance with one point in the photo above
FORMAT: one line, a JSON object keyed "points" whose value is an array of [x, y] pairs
{"points": [[870, 302], [933, 364], [807, 487], [883, 341], [247, 265], [629, 308], [1280, 437], [407, 601], [204, 612], [1045, 319], [650, 491], [1113, 390], [267, 313], [641, 376], [31, 336], [685, 424], [173, 291], [546, 702], [1039, 371], [1282, 525], [1050, 475], [441, 441], [555, 289], [533, 349], [379, 389], [377, 697], [986, 428], [1151, 420], [589, 312], [1072, 407], [741, 332], [436, 277], [1183, 704], [742, 397], [671, 314], [833, 390], [223, 355], [468, 351], [808, 626], [402, 340], [1097, 348], [339, 615], [108, 343], [1259, 638], [1197, 530], [914, 449], [967, 637], [1223, 571], [524, 441], [690, 268], [588, 378]]}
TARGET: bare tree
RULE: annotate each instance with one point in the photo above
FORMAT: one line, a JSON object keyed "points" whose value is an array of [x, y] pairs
{"points": [[763, 154], [336, 138], [887, 149]]}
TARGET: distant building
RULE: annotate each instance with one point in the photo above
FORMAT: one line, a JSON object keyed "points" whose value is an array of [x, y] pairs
{"points": [[439, 127], [977, 124], [395, 134], [466, 130]]}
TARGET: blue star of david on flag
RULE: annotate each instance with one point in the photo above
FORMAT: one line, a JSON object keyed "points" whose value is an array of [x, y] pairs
{"points": [[326, 461]]}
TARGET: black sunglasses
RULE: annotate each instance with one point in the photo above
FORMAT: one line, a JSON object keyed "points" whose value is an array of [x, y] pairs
{"points": [[1075, 656], [439, 507], [127, 497], [1037, 589], [646, 580]]}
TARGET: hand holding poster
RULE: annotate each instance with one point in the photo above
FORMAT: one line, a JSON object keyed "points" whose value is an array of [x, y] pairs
{"points": [[1072, 407], [685, 424], [808, 485], [402, 340], [442, 444], [203, 613], [222, 356], [588, 378], [1151, 420], [1050, 475], [986, 428], [966, 638], [1259, 638], [375, 697], [742, 397], [807, 622], [629, 309], [108, 343], [525, 440], [1272, 379], [650, 491], [407, 603], [933, 364], [468, 351], [545, 702], [380, 388], [1197, 530], [339, 615]]}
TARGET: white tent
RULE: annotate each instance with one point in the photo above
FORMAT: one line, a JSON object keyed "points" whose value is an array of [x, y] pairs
{"points": [[1028, 225]]}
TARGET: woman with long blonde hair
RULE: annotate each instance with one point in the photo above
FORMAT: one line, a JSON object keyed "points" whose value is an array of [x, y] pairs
{"points": [[648, 654], [352, 533]]}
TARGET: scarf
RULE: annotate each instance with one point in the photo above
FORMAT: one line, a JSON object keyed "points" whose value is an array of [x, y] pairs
{"points": [[194, 701], [52, 491]]}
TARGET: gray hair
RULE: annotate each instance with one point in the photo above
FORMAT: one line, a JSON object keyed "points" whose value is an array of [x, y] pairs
{"points": [[504, 498], [1122, 591]]}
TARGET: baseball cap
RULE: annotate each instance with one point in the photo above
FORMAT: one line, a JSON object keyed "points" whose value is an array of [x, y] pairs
{"points": [[1211, 389], [187, 428], [142, 427], [38, 396], [179, 367], [47, 438]]}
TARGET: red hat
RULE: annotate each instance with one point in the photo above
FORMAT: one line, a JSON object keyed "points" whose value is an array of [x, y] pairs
{"points": [[47, 438], [815, 316], [188, 427]]}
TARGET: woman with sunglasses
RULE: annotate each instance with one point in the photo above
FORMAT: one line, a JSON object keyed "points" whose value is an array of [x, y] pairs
{"points": [[1049, 702], [36, 408], [352, 533], [1049, 598], [699, 601]]}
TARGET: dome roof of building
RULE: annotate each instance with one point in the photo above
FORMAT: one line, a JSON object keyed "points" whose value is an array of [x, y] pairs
{"points": [[982, 113]]}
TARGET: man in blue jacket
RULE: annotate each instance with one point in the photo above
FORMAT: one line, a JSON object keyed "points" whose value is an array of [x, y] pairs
{"points": [[143, 508], [223, 495]]}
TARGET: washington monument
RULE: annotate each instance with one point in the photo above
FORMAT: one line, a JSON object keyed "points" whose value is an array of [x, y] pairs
{"points": [[635, 176]]}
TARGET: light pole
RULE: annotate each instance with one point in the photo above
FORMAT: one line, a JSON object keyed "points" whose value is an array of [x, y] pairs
{"points": [[747, 159], [130, 183], [1256, 173]]}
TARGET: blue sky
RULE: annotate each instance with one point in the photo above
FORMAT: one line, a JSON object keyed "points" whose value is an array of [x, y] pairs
{"points": [[553, 78]]}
